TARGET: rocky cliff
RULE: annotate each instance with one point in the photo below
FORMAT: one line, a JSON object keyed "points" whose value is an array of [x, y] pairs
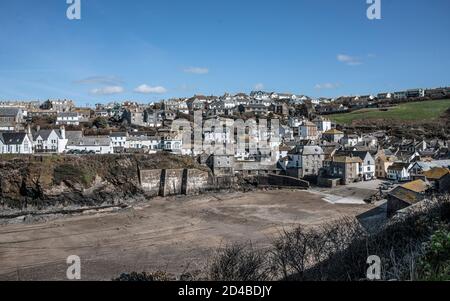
{"points": [[42, 181]]}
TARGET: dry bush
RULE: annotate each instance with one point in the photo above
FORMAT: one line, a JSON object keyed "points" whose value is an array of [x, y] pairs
{"points": [[338, 251], [342, 256], [298, 254], [240, 262]]}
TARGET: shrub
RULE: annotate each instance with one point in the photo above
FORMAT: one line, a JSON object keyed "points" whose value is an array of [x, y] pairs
{"points": [[140, 277], [68, 173], [240, 262], [435, 264]]}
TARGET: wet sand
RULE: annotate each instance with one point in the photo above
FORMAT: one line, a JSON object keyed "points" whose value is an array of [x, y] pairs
{"points": [[173, 234]]}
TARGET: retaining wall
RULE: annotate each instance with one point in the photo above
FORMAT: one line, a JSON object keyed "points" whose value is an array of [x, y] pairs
{"points": [[166, 182]]}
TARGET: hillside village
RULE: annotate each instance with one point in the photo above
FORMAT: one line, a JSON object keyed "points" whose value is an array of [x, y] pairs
{"points": [[307, 145]]}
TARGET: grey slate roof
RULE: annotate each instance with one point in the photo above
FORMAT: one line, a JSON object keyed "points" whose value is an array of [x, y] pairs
{"points": [[429, 165], [68, 114], [45, 134], [118, 134], [10, 138], [361, 154], [74, 137], [9, 112], [308, 150], [95, 141]]}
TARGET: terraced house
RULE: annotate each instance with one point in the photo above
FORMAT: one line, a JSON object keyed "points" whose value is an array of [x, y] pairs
{"points": [[15, 143], [78, 143], [367, 167], [68, 118], [382, 163], [49, 140], [10, 118], [305, 161], [399, 172], [345, 168]]}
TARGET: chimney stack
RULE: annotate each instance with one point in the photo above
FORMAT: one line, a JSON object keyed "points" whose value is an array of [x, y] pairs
{"points": [[63, 132], [29, 133]]}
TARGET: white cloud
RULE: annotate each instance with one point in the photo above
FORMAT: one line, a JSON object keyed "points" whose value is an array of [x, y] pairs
{"points": [[259, 86], [327, 86], [109, 90], [349, 60], [196, 70], [103, 80], [146, 89]]}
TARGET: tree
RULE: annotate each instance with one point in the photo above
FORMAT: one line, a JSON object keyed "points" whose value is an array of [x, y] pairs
{"points": [[101, 123]]}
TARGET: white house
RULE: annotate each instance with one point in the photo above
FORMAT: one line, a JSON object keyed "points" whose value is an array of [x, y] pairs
{"points": [[295, 122], [420, 167], [398, 172], [68, 118], [15, 143], [322, 124], [315, 101], [151, 144], [308, 131], [350, 140], [230, 103], [370, 141], [216, 137], [172, 144], [367, 168], [49, 141], [97, 144], [286, 133], [183, 107], [119, 139]]}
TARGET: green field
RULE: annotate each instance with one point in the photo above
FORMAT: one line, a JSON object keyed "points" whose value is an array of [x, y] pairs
{"points": [[414, 111]]}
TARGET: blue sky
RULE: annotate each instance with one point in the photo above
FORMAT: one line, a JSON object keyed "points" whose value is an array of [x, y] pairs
{"points": [[146, 50]]}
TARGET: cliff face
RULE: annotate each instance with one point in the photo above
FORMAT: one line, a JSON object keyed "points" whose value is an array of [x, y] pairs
{"points": [[41, 181]]}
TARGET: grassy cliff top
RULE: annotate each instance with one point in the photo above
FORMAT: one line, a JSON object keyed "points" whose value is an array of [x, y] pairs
{"points": [[415, 111]]}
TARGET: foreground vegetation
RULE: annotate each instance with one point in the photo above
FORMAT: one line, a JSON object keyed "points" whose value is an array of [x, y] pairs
{"points": [[414, 111], [413, 246]]}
